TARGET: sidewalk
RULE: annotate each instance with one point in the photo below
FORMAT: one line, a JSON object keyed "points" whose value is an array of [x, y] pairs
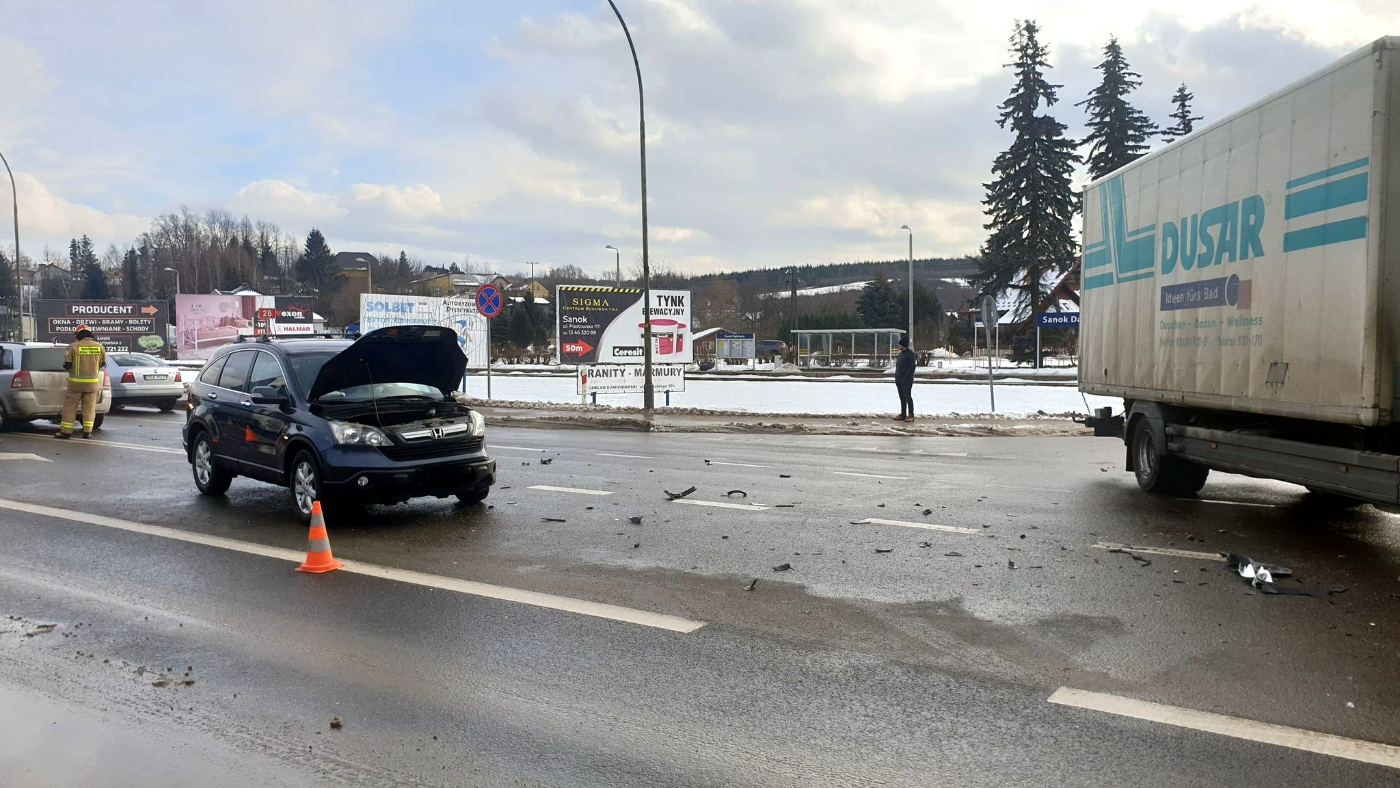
{"points": [[525, 414]]}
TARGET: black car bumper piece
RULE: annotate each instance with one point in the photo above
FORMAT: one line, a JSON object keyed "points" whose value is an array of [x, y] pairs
{"points": [[367, 475]]}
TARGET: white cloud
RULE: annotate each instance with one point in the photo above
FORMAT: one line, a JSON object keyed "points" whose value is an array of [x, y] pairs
{"points": [[287, 202], [48, 220], [412, 202]]}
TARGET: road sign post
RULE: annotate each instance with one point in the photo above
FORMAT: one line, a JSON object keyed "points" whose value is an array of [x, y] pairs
{"points": [[489, 303], [989, 317]]}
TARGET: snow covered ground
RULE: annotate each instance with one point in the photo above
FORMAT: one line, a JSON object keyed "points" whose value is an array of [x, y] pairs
{"points": [[832, 397]]}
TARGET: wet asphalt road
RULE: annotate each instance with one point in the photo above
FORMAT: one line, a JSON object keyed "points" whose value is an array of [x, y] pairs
{"points": [[930, 664]]}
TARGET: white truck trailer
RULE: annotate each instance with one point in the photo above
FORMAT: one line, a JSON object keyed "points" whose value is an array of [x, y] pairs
{"points": [[1241, 292]]}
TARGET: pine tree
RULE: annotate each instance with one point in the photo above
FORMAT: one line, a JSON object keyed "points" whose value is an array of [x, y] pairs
{"points": [[83, 262], [880, 305], [519, 330], [316, 266], [131, 275], [1030, 203], [1118, 130], [1185, 121]]}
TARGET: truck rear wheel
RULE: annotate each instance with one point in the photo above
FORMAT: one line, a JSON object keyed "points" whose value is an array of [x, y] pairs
{"points": [[1158, 473]]}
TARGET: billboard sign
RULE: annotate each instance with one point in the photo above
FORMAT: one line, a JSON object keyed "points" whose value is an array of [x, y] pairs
{"points": [[604, 325], [628, 378], [379, 310], [734, 345], [204, 323], [138, 326], [284, 316]]}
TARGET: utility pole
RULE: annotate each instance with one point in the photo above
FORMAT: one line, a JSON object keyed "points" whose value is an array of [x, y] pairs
{"points": [[617, 261], [911, 282], [649, 392], [792, 311]]}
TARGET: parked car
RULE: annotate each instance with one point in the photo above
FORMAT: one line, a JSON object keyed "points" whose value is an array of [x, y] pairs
{"points": [[372, 420], [143, 379], [770, 348], [33, 383]]}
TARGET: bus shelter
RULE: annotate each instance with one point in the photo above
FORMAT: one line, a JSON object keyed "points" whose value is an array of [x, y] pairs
{"points": [[827, 347]]}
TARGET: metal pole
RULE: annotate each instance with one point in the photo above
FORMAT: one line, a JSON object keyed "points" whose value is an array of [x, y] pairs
{"points": [[911, 285], [488, 358], [1037, 344], [991, 384], [19, 287], [649, 392]]}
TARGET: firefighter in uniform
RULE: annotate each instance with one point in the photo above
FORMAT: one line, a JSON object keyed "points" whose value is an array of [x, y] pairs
{"points": [[85, 360]]}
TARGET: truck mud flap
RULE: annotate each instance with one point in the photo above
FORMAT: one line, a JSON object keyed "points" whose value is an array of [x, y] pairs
{"points": [[1360, 474]]}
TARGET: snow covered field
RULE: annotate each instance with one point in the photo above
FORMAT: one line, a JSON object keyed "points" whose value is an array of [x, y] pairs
{"points": [[832, 397]]}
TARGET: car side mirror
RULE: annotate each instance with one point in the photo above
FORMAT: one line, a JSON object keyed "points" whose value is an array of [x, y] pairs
{"points": [[267, 395]]}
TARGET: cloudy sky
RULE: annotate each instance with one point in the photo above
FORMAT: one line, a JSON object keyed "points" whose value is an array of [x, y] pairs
{"points": [[778, 130]]}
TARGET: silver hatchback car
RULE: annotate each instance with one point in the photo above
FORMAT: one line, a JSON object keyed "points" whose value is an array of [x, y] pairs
{"points": [[142, 379], [33, 384]]}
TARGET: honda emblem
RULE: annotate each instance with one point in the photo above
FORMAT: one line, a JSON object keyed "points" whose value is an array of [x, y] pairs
{"points": [[438, 433]]}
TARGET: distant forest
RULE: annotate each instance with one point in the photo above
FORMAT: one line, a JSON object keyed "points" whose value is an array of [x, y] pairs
{"points": [[775, 279]]}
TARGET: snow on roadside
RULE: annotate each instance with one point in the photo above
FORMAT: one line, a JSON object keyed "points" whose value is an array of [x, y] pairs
{"points": [[825, 397]]}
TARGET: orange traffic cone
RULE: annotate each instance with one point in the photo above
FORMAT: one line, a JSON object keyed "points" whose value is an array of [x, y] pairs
{"points": [[318, 552]]}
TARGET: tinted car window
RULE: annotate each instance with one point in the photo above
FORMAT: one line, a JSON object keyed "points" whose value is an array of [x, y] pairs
{"points": [[211, 371], [267, 372], [137, 360], [235, 374], [42, 359]]}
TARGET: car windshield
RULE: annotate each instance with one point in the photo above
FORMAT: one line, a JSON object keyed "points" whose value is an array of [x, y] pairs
{"points": [[137, 360], [306, 366], [42, 359]]}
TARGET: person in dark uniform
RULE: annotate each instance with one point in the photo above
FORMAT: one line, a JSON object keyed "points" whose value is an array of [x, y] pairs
{"points": [[904, 381]]}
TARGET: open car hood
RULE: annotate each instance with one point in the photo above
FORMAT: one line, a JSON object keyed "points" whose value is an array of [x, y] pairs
{"points": [[427, 355]]}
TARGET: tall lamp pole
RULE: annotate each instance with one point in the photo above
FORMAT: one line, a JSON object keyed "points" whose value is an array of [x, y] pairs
{"points": [[649, 393], [618, 261], [177, 279], [19, 297], [911, 281]]}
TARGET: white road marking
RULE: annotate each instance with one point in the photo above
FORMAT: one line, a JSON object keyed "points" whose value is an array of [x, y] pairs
{"points": [[1023, 487], [953, 529], [737, 464], [513, 448], [1127, 548], [626, 456], [534, 598], [748, 507], [79, 441], [548, 488], [1236, 727], [11, 455], [1230, 503], [870, 475]]}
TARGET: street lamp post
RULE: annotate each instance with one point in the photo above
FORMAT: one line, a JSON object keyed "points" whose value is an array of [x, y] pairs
{"points": [[649, 392], [618, 255], [177, 279], [19, 297], [911, 281]]}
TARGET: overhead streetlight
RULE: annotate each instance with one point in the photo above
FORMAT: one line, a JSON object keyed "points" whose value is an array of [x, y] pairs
{"points": [[649, 392], [619, 261], [177, 279], [911, 282], [19, 299]]}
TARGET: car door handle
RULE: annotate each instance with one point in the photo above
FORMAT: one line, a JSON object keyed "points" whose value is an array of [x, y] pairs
{"points": [[211, 395], [247, 403]]}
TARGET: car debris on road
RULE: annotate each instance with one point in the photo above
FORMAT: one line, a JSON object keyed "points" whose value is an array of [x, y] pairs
{"points": [[677, 496]]}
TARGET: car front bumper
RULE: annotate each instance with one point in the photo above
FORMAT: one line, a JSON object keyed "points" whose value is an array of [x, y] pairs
{"points": [[357, 473]]}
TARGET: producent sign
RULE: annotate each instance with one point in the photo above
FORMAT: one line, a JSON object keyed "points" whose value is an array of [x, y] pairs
{"points": [[628, 378], [605, 325], [130, 326], [1057, 319], [735, 346]]}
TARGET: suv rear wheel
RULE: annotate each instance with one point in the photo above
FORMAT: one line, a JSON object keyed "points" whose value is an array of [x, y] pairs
{"points": [[1160, 473], [208, 476]]}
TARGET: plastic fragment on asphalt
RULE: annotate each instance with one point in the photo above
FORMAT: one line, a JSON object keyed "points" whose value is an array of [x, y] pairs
{"points": [[884, 549], [785, 506], [553, 519], [679, 495], [546, 460], [637, 520], [1010, 564], [336, 724], [784, 476], [928, 512], [782, 567], [752, 585], [953, 555], [1261, 575], [733, 493]]}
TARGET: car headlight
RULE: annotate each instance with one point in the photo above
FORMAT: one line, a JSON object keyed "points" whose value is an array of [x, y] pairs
{"points": [[478, 425], [357, 435]]}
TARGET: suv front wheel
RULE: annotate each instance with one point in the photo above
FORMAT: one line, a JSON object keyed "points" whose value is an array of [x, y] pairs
{"points": [[305, 484], [208, 476]]}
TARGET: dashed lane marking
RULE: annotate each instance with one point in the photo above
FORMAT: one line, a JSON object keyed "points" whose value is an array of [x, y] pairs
{"points": [[871, 475], [79, 441], [746, 507], [1023, 487], [952, 529], [11, 455], [512, 448], [1235, 727], [504, 593], [1229, 503], [1128, 548], [626, 456], [577, 490], [737, 464]]}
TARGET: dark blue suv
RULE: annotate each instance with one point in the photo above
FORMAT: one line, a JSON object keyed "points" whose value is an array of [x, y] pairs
{"points": [[371, 420]]}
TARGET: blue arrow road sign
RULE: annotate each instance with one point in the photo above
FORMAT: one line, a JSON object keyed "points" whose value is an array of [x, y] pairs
{"points": [[488, 301]]}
